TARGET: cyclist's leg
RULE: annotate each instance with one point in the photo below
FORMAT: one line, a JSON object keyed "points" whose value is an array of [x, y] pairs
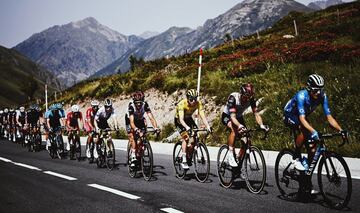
{"points": [[185, 139]]}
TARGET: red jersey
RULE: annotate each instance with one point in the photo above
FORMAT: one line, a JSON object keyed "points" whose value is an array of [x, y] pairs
{"points": [[90, 116], [72, 119]]}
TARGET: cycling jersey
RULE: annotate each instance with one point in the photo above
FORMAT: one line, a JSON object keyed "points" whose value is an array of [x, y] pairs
{"points": [[32, 117], [139, 119], [72, 119], [102, 116], [184, 108], [21, 116], [11, 117], [303, 104], [90, 117], [236, 105], [54, 116]]}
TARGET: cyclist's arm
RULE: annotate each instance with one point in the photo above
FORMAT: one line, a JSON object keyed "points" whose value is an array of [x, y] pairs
{"points": [[234, 120], [152, 119], [305, 123], [17, 119], [181, 119], [132, 123], [258, 118], [333, 122], [203, 118]]}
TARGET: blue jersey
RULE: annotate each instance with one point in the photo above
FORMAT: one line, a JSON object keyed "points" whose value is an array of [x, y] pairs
{"points": [[303, 104], [54, 116]]}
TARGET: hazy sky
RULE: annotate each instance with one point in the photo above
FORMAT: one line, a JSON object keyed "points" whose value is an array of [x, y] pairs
{"points": [[19, 19]]}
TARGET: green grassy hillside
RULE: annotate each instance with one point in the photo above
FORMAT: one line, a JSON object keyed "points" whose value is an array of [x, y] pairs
{"points": [[328, 44], [21, 78]]}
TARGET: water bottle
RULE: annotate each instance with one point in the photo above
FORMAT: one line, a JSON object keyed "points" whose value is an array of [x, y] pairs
{"points": [[305, 163]]}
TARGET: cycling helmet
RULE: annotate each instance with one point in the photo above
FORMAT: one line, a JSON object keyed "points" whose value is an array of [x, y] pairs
{"points": [[138, 96], [315, 82], [247, 90], [191, 94], [1, 112], [95, 103], [22, 109], [58, 106], [75, 108], [6, 110], [11, 110], [108, 102]]}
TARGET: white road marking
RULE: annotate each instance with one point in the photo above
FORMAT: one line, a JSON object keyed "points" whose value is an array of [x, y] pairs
{"points": [[5, 160], [342, 175], [27, 166], [122, 149], [60, 175], [115, 191], [171, 210]]}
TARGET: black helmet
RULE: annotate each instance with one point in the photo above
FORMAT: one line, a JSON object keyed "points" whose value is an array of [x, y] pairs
{"points": [[108, 102], [315, 82], [191, 94], [247, 90], [138, 96]]}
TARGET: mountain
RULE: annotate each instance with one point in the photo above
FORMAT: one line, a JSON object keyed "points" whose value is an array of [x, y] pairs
{"points": [[76, 50], [148, 34], [20, 77], [319, 5], [245, 18]]}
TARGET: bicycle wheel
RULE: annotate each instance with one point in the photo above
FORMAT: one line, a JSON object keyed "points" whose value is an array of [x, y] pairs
{"points": [[110, 156], [77, 148], [52, 149], [255, 167], [177, 160], [147, 161], [225, 171], [132, 170], [286, 177], [201, 162], [37, 142], [334, 180], [100, 148]]}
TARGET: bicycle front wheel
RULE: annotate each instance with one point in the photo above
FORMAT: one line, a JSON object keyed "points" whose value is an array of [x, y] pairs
{"points": [[177, 160], [110, 156], [78, 149], [201, 163], [255, 170], [286, 177], [225, 171], [132, 170], [147, 162], [334, 180]]}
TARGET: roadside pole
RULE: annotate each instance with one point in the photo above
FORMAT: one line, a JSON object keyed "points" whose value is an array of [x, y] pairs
{"points": [[198, 85], [46, 98]]}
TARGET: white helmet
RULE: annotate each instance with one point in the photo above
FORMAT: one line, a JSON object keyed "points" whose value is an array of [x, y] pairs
{"points": [[1, 112], [75, 108], [95, 103], [22, 109], [6, 110]]}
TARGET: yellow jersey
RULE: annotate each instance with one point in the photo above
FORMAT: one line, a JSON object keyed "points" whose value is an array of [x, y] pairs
{"points": [[183, 108]]}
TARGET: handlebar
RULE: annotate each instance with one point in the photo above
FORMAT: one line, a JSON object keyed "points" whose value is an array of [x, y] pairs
{"points": [[247, 131], [331, 135]]}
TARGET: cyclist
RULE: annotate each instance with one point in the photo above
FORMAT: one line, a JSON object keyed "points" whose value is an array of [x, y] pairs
{"points": [[55, 120], [21, 121], [74, 121], [33, 115], [1, 123], [299, 107], [5, 123], [232, 117], [12, 124], [102, 116], [90, 126], [135, 120], [185, 123]]}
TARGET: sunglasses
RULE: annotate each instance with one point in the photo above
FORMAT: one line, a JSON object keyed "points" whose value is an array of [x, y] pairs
{"points": [[192, 99], [316, 90], [138, 103]]}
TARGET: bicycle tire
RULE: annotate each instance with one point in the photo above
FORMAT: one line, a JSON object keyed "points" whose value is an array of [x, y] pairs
{"points": [[131, 170], [77, 148], [147, 161], [335, 168], [201, 162], [284, 175], [255, 167], [110, 160], [177, 160], [225, 171], [37, 141], [100, 148]]}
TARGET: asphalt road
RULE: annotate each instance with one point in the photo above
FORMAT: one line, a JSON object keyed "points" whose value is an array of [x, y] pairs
{"points": [[30, 182]]}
